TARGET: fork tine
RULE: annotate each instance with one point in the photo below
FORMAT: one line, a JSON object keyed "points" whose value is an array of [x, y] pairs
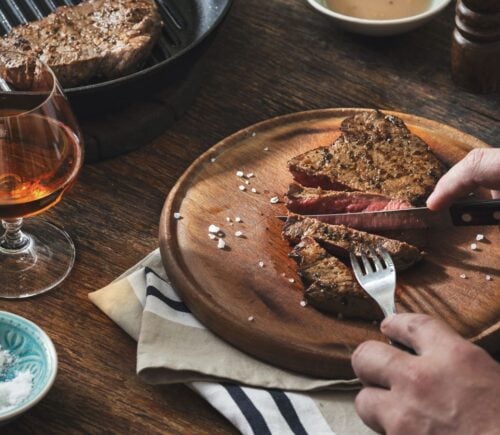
{"points": [[367, 264], [355, 265], [375, 259], [386, 257]]}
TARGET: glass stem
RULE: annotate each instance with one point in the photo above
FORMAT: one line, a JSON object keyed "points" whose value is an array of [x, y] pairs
{"points": [[13, 239]]}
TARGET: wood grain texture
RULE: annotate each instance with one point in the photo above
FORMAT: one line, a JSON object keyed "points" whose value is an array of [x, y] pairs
{"points": [[272, 57], [225, 287]]}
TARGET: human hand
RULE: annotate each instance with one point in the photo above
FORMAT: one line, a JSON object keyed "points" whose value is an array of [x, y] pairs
{"points": [[480, 168], [450, 387]]}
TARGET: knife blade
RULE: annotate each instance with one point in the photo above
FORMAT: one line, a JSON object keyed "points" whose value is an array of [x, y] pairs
{"points": [[465, 213]]}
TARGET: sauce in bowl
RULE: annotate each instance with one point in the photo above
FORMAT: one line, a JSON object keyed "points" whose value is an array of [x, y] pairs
{"points": [[379, 9]]}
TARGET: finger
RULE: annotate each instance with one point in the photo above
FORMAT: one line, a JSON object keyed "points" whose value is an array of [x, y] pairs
{"points": [[378, 364], [418, 331], [495, 194], [479, 168], [371, 405]]}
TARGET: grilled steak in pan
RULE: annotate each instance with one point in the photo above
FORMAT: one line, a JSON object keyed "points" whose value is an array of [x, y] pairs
{"points": [[188, 29]]}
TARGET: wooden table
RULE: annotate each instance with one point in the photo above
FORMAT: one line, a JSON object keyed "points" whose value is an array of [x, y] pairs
{"points": [[271, 58]]}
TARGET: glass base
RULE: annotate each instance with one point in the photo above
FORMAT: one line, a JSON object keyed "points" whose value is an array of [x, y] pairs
{"points": [[41, 265]]}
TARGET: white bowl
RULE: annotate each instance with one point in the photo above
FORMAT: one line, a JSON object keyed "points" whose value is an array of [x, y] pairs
{"points": [[380, 27]]}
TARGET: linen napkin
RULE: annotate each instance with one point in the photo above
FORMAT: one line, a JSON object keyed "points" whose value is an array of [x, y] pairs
{"points": [[174, 347]]}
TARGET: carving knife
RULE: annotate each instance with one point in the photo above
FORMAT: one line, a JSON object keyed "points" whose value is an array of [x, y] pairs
{"points": [[465, 213]]}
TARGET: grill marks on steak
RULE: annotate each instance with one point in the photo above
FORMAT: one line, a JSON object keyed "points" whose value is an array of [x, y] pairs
{"points": [[375, 153], [330, 284], [306, 200], [95, 39], [340, 240]]}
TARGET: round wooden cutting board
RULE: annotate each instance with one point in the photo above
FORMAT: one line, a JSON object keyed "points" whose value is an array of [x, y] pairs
{"points": [[257, 309]]}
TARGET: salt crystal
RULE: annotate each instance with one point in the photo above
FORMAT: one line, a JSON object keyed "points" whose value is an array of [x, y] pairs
{"points": [[463, 276], [488, 278], [212, 236], [254, 190], [238, 233], [480, 237], [473, 246], [247, 182], [228, 219], [254, 134], [291, 280], [242, 188], [250, 175], [240, 174], [251, 319], [283, 274], [214, 229], [213, 159], [221, 244], [266, 149], [303, 303], [238, 219], [177, 216], [261, 264], [274, 200]]}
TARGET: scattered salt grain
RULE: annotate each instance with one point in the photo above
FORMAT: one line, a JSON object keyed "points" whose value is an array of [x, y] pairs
{"points": [[238, 234], [254, 190], [261, 264], [212, 236], [303, 303], [177, 216], [221, 244], [291, 280], [274, 200], [242, 188], [251, 318], [247, 182], [238, 219], [228, 219], [250, 175], [283, 274], [473, 246], [488, 278], [240, 174], [254, 134], [213, 159], [463, 276], [480, 237], [214, 229], [266, 149]]}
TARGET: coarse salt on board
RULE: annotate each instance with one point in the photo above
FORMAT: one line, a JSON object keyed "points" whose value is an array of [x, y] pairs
{"points": [[261, 264], [214, 229], [242, 188], [177, 216], [221, 244], [240, 174], [212, 236], [238, 233], [303, 303], [274, 200], [250, 175], [480, 237], [473, 246], [238, 219]]}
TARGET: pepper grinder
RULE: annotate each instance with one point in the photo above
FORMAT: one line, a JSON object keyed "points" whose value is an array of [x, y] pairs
{"points": [[475, 50]]}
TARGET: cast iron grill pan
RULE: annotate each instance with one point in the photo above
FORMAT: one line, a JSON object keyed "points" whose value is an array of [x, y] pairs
{"points": [[187, 32]]}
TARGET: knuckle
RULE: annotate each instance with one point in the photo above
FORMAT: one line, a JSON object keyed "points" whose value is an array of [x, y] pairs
{"points": [[420, 378], [361, 351], [418, 321], [462, 352], [475, 158]]}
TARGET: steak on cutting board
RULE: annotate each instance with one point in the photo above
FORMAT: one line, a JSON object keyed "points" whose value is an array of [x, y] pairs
{"points": [[308, 200], [330, 284], [375, 153], [339, 240], [101, 39]]}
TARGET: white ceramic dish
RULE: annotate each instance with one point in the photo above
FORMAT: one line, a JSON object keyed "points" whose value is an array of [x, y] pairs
{"points": [[380, 27]]}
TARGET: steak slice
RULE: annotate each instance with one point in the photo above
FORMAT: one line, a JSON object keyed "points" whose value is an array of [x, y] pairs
{"points": [[101, 39], [375, 153], [339, 240], [307, 200], [330, 285]]}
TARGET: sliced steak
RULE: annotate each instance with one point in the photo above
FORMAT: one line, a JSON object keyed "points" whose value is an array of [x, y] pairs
{"points": [[339, 240], [307, 200], [330, 285], [101, 39], [375, 153]]}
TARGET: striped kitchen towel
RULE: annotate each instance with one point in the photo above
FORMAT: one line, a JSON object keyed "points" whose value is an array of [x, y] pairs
{"points": [[174, 347]]}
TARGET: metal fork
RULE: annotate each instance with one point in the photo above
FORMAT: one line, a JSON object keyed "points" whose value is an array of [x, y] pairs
{"points": [[378, 279]]}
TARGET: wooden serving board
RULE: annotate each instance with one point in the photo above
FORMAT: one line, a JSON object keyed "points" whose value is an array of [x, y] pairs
{"points": [[224, 288]]}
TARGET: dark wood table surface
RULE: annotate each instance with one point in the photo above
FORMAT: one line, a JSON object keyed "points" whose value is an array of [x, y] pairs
{"points": [[272, 57]]}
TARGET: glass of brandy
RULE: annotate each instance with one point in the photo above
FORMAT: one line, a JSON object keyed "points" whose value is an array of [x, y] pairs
{"points": [[41, 153]]}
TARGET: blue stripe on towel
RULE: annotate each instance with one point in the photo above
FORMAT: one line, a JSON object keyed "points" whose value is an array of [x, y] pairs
{"points": [[251, 413], [288, 411], [175, 305]]}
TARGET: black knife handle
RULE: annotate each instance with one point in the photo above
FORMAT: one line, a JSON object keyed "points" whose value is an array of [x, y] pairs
{"points": [[477, 212]]}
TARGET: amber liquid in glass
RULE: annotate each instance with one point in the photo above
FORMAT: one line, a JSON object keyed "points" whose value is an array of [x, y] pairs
{"points": [[39, 160]]}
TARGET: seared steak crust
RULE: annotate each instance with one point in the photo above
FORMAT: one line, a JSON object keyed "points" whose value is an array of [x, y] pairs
{"points": [[376, 153], [96, 39], [338, 239], [330, 284], [307, 200]]}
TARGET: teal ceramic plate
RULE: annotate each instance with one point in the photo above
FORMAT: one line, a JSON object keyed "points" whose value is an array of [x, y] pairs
{"points": [[32, 350]]}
